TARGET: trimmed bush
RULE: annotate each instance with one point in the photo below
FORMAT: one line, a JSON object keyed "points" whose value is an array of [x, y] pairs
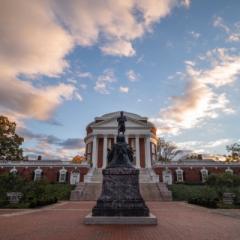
{"points": [[35, 194], [207, 197]]}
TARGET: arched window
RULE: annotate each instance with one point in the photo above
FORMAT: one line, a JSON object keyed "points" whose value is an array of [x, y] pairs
{"points": [[37, 174], [62, 175], [229, 170], [204, 174], [14, 170], [179, 174]]}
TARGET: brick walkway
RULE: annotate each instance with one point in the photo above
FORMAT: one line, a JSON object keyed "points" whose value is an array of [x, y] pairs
{"points": [[176, 221]]}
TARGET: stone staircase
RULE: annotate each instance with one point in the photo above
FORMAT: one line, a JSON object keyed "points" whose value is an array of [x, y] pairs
{"points": [[94, 176], [150, 187]]}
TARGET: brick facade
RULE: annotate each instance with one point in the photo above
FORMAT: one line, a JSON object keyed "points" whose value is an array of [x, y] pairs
{"points": [[192, 174], [49, 171]]}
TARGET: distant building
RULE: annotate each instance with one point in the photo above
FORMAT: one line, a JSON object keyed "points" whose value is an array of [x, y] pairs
{"points": [[141, 136]]}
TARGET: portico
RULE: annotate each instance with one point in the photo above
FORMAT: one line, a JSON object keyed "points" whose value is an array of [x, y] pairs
{"points": [[140, 135]]}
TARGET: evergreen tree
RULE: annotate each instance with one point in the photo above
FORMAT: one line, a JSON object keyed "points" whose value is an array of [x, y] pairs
{"points": [[9, 141]]}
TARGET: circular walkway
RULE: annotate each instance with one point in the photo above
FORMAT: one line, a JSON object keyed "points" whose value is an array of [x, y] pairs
{"points": [[176, 220]]}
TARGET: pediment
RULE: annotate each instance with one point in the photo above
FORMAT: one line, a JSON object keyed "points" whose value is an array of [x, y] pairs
{"points": [[112, 123]]}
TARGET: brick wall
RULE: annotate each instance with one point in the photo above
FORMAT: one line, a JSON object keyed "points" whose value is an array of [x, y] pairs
{"points": [[193, 174], [49, 173]]}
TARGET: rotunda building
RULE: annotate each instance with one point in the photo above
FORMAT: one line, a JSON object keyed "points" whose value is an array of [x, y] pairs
{"points": [[140, 134]]}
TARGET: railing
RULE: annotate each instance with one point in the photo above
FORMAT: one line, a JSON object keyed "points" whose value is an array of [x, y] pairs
{"points": [[194, 164], [43, 163]]}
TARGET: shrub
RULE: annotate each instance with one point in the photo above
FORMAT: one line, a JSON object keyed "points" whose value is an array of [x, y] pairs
{"points": [[35, 194], [182, 192], [224, 180], [207, 197]]}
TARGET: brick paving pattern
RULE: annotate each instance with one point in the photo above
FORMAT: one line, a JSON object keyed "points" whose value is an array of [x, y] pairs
{"points": [[176, 221]]}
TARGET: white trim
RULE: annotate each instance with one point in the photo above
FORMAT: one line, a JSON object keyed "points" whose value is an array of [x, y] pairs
{"points": [[13, 170], [167, 176], [204, 174], [105, 139], [74, 178], [137, 147], [62, 172], [229, 170], [179, 174], [94, 152], [147, 153], [38, 174]]}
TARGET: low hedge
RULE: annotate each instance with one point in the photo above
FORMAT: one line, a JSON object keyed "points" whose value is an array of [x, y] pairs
{"points": [[35, 194], [209, 194]]}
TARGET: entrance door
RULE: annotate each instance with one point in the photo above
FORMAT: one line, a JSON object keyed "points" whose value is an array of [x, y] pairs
{"points": [[75, 177], [167, 177]]}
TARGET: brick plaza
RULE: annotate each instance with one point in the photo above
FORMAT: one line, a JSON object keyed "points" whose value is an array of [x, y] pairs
{"points": [[176, 220]]}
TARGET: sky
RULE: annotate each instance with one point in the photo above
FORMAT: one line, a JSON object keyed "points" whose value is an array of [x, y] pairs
{"points": [[177, 62]]}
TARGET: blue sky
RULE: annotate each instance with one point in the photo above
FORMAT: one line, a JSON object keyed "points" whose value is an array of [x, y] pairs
{"points": [[176, 62]]}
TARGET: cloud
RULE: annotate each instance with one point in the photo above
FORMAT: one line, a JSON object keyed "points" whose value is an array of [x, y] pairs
{"points": [[84, 75], [124, 89], [72, 143], [233, 31], [31, 41], [200, 100], [118, 48], [218, 22], [37, 36], [50, 146], [22, 97], [205, 146], [186, 3], [112, 24], [194, 34], [132, 75], [104, 81], [32, 44]]}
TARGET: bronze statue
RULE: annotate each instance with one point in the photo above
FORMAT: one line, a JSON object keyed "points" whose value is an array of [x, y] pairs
{"points": [[121, 123]]}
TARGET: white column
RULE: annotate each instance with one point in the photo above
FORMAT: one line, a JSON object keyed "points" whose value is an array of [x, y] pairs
{"points": [[115, 138], [147, 152], [137, 151], [104, 152], [94, 152]]}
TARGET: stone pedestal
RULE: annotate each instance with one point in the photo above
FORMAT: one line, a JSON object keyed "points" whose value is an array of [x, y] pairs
{"points": [[120, 201], [120, 194], [123, 220]]}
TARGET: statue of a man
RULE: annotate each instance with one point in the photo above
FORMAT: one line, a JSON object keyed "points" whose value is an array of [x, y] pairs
{"points": [[121, 123]]}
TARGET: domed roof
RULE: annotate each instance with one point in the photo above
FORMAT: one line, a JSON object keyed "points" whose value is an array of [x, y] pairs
{"points": [[114, 114]]}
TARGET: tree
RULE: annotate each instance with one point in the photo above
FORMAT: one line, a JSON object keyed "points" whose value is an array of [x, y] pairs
{"points": [[166, 150], [9, 141], [78, 159], [235, 151]]}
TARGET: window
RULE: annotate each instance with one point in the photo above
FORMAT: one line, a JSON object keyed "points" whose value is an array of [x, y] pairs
{"points": [[204, 173], [13, 171], [37, 174], [62, 175], [229, 170], [179, 174]]}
